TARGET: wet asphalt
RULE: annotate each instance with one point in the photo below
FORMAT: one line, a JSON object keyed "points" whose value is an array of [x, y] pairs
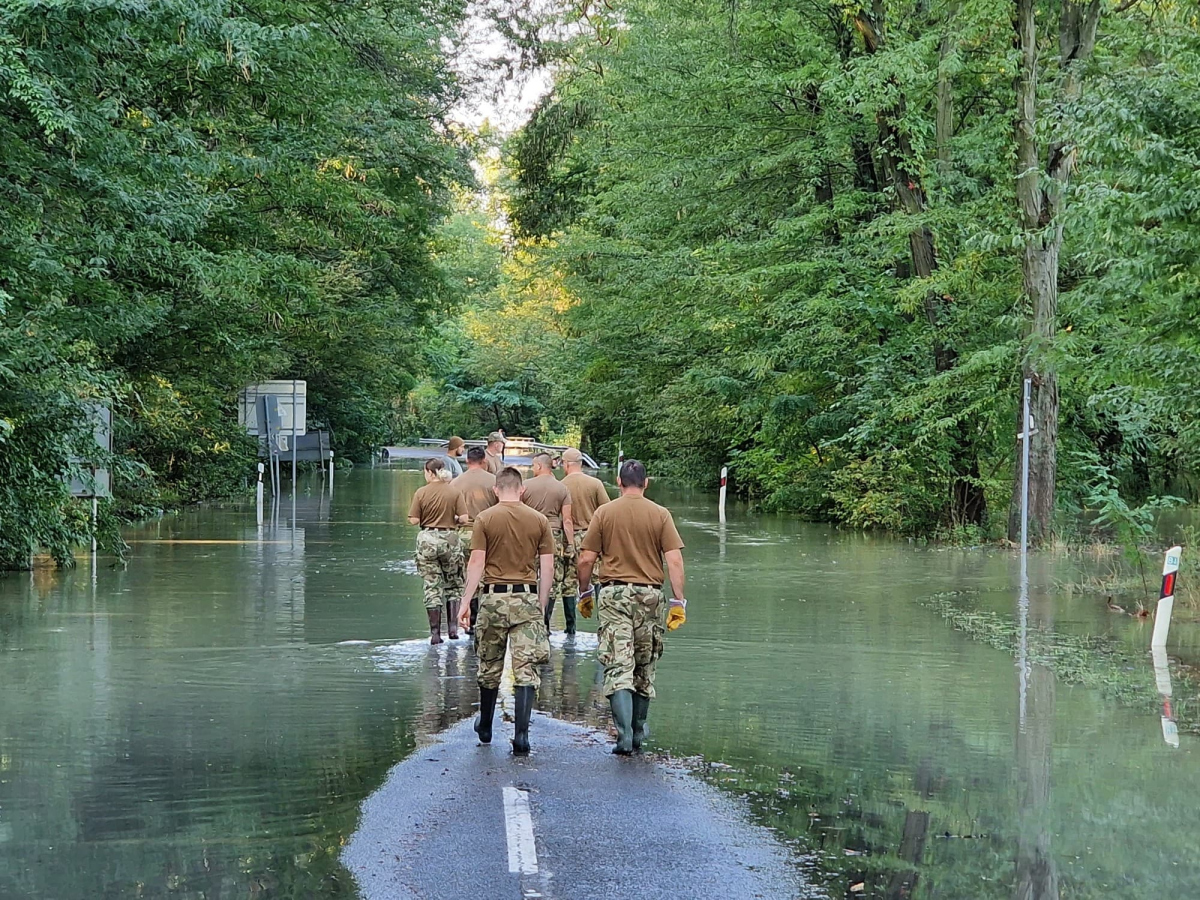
{"points": [[603, 826]]}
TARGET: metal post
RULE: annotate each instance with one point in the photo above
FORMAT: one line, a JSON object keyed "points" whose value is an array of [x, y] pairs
{"points": [[1026, 434], [293, 435], [258, 493], [1023, 595], [95, 521], [331, 472], [721, 502], [1166, 598]]}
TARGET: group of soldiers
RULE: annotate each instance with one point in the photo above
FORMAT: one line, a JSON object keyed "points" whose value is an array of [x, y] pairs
{"points": [[505, 549]]}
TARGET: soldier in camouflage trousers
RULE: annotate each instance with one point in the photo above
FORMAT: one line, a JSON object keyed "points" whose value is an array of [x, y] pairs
{"points": [[632, 626], [435, 509], [514, 620], [512, 556], [440, 565], [636, 538]]}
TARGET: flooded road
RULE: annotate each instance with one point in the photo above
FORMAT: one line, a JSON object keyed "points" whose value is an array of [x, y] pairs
{"points": [[205, 723]]}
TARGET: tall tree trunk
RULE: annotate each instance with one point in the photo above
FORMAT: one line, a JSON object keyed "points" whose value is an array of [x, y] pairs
{"points": [[1041, 196], [944, 114]]}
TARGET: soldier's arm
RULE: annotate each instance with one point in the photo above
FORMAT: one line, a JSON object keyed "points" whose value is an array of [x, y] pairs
{"points": [[414, 511], [568, 524], [474, 576], [587, 562], [545, 579], [674, 560], [460, 510]]}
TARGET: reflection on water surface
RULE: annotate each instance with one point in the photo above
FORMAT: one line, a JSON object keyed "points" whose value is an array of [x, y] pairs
{"points": [[206, 722]]}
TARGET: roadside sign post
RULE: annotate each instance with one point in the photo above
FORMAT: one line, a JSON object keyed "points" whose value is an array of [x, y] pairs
{"points": [[258, 493], [1166, 598]]}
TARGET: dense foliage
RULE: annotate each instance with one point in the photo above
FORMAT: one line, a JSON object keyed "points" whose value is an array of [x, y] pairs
{"points": [[200, 195], [787, 234]]}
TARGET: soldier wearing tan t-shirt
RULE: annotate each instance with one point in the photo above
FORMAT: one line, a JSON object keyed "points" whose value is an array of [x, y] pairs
{"points": [[494, 455], [512, 557], [476, 487], [633, 537], [435, 509], [587, 495], [547, 495]]}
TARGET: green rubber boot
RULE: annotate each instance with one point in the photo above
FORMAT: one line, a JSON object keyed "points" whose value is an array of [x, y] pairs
{"points": [[621, 703], [487, 709], [523, 710], [549, 613], [641, 709]]}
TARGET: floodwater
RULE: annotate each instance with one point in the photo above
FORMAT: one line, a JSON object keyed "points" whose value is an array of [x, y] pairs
{"points": [[204, 722]]}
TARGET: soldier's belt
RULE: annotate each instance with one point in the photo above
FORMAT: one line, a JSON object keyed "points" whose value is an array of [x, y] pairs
{"points": [[510, 588], [605, 584], [436, 528]]}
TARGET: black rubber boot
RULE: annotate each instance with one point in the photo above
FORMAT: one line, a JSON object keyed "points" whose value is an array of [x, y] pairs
{"points": [[569, 614], [549, 613], [435, 625], [621, 703], [487, 709], [641, 709], [451, 621], [474, 613], [524, 709]]}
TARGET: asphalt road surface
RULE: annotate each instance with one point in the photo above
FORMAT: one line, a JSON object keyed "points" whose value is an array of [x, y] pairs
{"points": [[458, 819]]}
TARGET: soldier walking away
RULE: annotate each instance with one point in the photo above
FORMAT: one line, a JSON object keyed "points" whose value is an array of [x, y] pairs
{"points": [[633, 537], [495, 452], [435, 508], [547, 495], [512, 556], [475, 488], [587, 495], [453, 457]]}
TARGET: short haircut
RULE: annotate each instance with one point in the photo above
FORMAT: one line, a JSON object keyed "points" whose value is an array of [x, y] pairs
{"points": [[544, 459], [633, 474], [476, 455], [433, 465], [509, 479]]}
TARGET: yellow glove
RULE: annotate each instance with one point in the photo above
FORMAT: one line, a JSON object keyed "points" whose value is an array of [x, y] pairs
{"points": [[587, 601], [677, 614]]}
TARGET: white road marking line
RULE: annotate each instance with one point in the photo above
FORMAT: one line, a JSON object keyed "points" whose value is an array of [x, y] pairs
{"points": [[518, 823]]}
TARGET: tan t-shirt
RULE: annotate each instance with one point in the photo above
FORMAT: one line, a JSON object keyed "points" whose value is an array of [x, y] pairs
{"points": [[493, 463], [547, 495], [631, 534], [587, 495], [435, 505], [513, 536], [475, 487]]}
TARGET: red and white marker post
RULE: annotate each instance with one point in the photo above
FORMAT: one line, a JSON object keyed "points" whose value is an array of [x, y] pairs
{"points": [[1166, 598], [1158, 645]]}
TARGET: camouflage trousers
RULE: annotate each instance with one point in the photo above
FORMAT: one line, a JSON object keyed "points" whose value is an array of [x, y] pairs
{"points": [[632, 628], [570, 585], [512, 621], [464, 540], [564, 566], [440, 565]]}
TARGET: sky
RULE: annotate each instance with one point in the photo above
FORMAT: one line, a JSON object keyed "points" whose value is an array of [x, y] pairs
{"points": [[505, 103]]}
